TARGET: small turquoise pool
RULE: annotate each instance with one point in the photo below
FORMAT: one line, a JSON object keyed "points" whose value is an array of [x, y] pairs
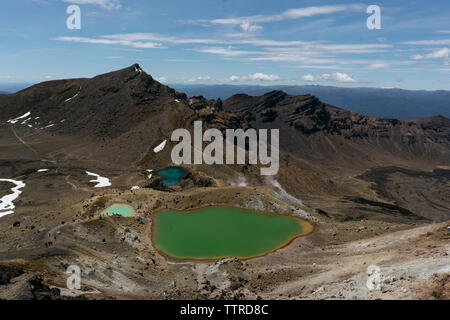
{"points": [[119, 209], [171, 176]]}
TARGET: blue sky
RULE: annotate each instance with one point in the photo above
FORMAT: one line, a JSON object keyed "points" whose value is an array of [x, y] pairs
{"points": [[230, 41]]}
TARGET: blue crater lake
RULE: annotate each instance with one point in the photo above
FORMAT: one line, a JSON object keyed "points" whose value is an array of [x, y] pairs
{"points": [[171, 176]]}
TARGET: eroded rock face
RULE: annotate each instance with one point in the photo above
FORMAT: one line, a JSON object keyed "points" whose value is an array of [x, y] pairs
{"points": [[211, 113], [269, 115], [9, 272], [309, 115], [312, 118], [15, 284]]}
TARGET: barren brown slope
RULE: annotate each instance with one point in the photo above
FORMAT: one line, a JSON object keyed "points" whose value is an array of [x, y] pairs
{"points": [[108, 114], [315, 130], [343, 148], [104, 106], [116, 119], [359, 177]]}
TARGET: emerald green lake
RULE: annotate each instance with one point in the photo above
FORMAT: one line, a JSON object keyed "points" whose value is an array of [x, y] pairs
{"points": [[171, 175], [219, 232], [119, 209]]}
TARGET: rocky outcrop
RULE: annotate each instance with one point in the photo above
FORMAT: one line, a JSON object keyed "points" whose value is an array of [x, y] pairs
{"points": [[320, 127], [15, 284]]}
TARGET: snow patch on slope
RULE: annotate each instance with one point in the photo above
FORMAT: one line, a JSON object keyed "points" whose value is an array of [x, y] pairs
{"points": [[101, 181], [6, 202], [76, 95], [13, 121], [160, 147]]}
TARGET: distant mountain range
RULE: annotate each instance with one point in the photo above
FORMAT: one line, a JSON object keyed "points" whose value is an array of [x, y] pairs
{"points": [[13, 87], [382, 103]]}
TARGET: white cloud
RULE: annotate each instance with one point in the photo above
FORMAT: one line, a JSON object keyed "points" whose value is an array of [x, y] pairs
{"points": [[443, 53], [380, 65], [225, 51], [322, 67], [249, 27], [174, 40], [255, 77], [315, 54], [106, 4], [444, 31], [274, 50], [310, 78], [161, 79], [439, 42], [264, 77], [353, 48], [308, 54], [318, 55], [243, 39], [159, 38], [336, 77], [200, 79], [286, 15], [134, 44], [238, 35]]}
